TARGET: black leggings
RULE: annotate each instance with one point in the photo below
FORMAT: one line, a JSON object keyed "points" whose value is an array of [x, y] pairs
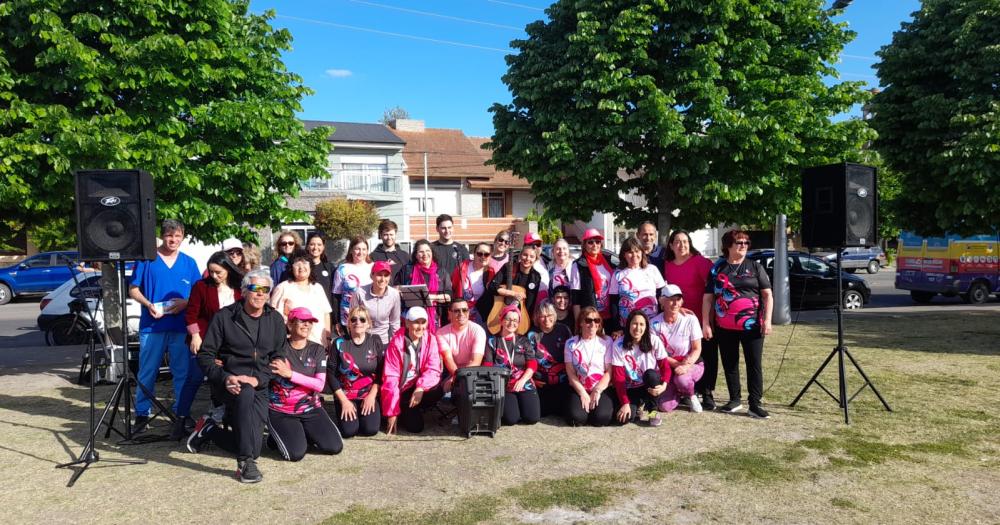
{"points": [[412, 419], [521, 407], [639, 398], [552, 399], [293, 433], [246, 413], [753, 353], [362, 425], [710, 357], [599, 417]]}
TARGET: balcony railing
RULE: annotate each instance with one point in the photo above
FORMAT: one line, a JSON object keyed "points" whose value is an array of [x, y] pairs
{"points": [[357, 182]]}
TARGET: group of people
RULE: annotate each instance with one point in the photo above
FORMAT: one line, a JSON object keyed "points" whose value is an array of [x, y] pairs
{"points": [[273, 341]]}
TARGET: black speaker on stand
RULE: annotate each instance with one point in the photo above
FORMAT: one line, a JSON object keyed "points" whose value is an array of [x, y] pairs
{"points": [[840, 209], [115, 215]]}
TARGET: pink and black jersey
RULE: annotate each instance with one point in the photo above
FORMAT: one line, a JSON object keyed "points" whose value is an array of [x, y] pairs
{"points": [[737, 294], [516, 354], [355, 368], [300, 393]]}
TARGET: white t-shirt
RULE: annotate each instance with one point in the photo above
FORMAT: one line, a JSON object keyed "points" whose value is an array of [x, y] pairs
{"points": [[289, 295], [636, 289], [589, 358], [559, 276], [635, 361], [602, 294], [472, 289], [346, 280], [677, 336]]}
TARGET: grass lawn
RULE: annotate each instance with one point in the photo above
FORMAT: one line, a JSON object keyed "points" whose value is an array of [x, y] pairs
{"points": [[934, 459]]}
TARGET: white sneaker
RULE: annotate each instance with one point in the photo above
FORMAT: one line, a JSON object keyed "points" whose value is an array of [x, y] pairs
{"points": [[695, 404]]}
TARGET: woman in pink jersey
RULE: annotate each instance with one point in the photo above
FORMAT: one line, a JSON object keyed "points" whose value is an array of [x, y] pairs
{"points": [[689, 270], [588, 368], [296, 416]]}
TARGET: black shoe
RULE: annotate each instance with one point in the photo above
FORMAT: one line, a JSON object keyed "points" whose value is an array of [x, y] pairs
{"points": [[757, 412], [199, 436], [247, 472], [140, 425], [177, 430], [708, 402], [731, 407]]}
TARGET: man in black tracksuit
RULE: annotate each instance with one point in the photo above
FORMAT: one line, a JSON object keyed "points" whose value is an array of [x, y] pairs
{"points": [[245, 337]]}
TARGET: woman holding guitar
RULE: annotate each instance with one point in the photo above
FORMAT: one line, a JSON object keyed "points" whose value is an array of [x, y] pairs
{"points": [[508, 287]]}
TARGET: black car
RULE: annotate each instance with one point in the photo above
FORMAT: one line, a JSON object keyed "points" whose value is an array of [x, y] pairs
{"points": [[813, 283]]}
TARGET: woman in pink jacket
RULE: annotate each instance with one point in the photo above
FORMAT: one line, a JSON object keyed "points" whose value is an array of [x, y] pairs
{"points": [[412, 376]]}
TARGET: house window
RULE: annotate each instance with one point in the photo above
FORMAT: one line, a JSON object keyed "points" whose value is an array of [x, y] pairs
{"points": [[420, 204], [494, 204], [302, 229]]}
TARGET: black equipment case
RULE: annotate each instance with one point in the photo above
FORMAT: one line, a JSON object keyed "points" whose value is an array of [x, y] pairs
{"points": [[478, 394]]}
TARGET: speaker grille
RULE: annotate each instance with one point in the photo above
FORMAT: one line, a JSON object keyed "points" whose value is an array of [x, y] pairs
{"points": [[112, 230]]}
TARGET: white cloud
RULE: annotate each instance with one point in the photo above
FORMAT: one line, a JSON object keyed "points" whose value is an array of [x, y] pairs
{"points": [[339, 73]]}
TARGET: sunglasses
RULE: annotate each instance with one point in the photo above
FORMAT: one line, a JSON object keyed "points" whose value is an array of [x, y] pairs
{"points": [[742, 243], [286, 243], [594, 241], [304, 321], [258, 288], [459, 310], [592, 320], [359, 320], [504, 241], [483, 254], [234, 251]]}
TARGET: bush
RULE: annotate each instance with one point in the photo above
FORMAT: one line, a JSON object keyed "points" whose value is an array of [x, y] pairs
{"points": [[341, 218]]}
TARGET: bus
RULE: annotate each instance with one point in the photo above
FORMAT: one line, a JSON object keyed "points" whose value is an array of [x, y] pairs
{"points": [[951, 265]]}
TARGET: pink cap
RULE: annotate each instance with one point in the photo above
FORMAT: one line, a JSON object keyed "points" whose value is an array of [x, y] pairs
{"points": [[381, 266], [302, 314], [532, 238], [592, 233], [510, 308]]}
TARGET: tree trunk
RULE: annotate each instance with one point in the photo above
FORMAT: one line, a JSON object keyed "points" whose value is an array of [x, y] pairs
{"points": [[665, 200]]}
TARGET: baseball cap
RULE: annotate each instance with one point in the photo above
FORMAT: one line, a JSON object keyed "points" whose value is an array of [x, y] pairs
{"points": [[416, 313], [671, 290], [231, 243], [592, 233], [381, 266], [302, 314], [532, 238]]}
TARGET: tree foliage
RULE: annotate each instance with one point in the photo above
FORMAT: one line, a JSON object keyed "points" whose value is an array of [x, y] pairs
{"points": [[194, 92], [711, 107], [938, 118], [342, 218], [394, 113]]}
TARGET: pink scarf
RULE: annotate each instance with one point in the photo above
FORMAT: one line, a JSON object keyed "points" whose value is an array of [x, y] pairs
{"points": [[428, 276]]}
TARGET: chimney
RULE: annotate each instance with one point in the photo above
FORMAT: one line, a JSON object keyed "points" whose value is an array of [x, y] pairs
{"points": [[403, 124]]}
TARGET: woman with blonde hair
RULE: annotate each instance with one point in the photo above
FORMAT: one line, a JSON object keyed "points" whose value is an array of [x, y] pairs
{"points": [[284, 246]]}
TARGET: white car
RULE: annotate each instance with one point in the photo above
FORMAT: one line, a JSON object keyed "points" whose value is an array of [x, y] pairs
{"points": [[65, 325]]}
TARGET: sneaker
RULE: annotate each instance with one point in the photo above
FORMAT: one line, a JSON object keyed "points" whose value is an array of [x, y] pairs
{"points": [[177, 430], [731, 407], [695, 405], [247, 472], [654, 419], [199, 436], [708, 402], [758, 412], [140, 425]]}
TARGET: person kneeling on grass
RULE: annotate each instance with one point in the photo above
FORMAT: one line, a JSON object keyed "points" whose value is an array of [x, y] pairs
{"points": [[639, 366], [297, 418], [354, 374], [242, 341], [411, 379], [681, 335], [517, 354]]}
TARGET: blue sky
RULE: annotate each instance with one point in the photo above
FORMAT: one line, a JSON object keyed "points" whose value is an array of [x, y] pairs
{"points": [[442, 59]]}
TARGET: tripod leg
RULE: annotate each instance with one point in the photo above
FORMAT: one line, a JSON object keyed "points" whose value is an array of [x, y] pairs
{"points": [[813, 380], [116, 399], [868, 381], [843, 382]]}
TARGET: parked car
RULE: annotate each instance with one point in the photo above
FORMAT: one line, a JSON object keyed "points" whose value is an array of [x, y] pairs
{"points": [[855, 258], [63, 315], [37, 274], [813, 283]]}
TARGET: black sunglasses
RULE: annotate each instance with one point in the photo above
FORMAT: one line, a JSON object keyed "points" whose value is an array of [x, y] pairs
{"points": [[359, 320], [591, 320]]}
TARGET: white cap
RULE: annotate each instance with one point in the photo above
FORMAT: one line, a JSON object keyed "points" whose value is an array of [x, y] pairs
{"points": [[231, 243], [415, 313], [671, 290]]}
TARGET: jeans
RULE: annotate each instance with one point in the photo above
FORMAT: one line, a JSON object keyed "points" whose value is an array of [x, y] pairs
{"points": [[187, 374]]}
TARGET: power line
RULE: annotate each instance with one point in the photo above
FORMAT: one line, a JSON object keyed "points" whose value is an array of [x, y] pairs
{"points": [[861, 57], [512, 4], [438, 15], [398, 35]]}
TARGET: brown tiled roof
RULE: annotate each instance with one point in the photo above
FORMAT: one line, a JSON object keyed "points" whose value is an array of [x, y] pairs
{"points": [[501, 178]]}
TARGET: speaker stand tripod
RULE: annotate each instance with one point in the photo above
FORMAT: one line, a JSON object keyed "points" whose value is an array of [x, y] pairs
{"points": [[840, 351], [88, 456]]}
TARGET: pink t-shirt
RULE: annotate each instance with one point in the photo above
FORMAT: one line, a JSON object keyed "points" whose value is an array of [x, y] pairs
{"points": [[677, 336], [589, 358], [495, 264], [635, 361], [462, 345], [636, 289], [691, 277]]}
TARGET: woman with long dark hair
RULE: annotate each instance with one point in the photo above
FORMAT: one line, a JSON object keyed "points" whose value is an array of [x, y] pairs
{"points": [[640, 370], [322, 269], [301, 290], [423, 270], [218, 290], [634, 285]]}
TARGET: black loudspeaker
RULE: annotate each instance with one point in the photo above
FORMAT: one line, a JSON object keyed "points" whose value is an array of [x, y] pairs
{"points": [[839, 206], [115, 215]]}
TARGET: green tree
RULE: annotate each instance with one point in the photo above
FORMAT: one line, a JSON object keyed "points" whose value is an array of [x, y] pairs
{"points": [[342, 218], [393, 113], [710, 107], [938, 118], [194, 92]]}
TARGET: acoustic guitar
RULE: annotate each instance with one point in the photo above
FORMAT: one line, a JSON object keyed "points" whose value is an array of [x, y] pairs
{"points": [[500, 302]]}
